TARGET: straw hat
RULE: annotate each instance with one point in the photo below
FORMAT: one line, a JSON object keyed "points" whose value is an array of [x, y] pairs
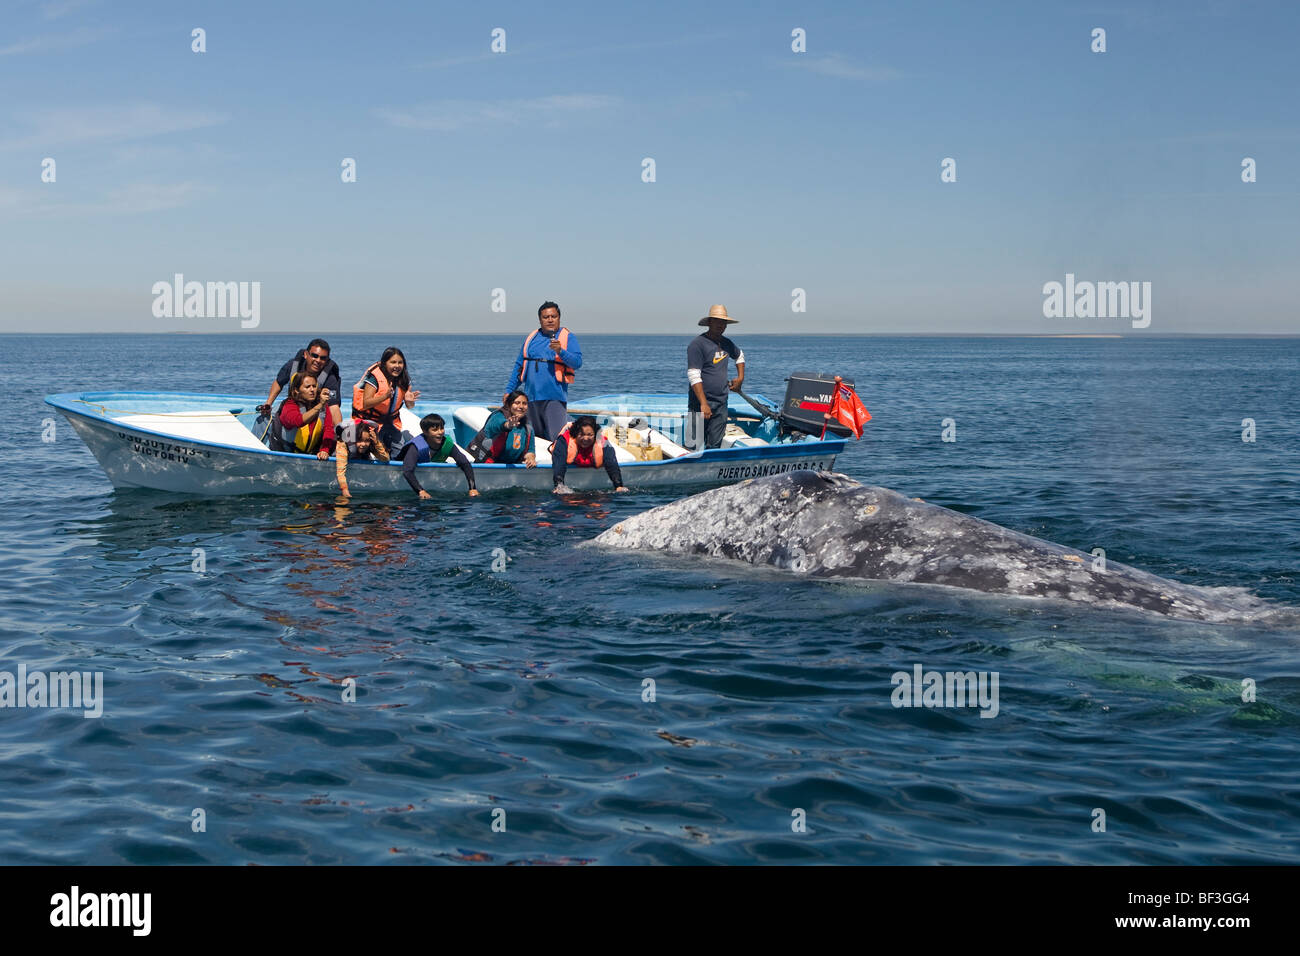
{"points": [[717, 312]]}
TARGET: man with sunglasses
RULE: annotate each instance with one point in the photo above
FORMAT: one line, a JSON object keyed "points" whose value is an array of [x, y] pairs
{"points": [[314, 359]]}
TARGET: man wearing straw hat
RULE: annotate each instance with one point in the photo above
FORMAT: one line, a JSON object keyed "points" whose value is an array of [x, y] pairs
{"points": [[706, 371]]}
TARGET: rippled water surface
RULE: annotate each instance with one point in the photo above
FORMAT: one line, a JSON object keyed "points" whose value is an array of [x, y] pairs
{"points": [[523, 690]]}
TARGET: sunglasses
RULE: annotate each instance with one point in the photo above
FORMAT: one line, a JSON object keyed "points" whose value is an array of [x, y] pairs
{"points": [[318, 355]]}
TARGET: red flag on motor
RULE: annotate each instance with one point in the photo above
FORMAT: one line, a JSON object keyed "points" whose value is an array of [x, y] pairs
{"points": [[847, 409]]}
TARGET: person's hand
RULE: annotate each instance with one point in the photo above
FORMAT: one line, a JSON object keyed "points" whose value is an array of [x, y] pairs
{"points": [[735, 384], [620, 488], [706, 411], [555, 346], [323, 455], [425, 494], [324, 395], [411, 396], [343, 490], [503, 399], [263, 409], [530, 460], [473, 492]]}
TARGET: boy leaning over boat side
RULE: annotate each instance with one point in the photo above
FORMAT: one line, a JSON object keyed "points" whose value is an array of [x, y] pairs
{"points": [[357, 439], [433, 444]]}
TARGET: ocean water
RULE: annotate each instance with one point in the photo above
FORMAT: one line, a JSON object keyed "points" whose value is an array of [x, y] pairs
{"points": [[516, 698]]}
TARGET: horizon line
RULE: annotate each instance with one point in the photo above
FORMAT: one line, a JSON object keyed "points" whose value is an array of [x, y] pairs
{"points": [[842, 335]]}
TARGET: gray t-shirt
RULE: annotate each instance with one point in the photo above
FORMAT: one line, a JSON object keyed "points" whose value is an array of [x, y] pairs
{"points": [[710, 359]]}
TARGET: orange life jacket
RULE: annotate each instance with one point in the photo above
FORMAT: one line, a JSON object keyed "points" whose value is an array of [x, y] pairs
{"points": [[377, 413], [594, 460], [562, 372]]}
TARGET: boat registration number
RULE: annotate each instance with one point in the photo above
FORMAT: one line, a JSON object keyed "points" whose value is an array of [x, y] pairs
{"points": [[775, 468], [163, 449]]}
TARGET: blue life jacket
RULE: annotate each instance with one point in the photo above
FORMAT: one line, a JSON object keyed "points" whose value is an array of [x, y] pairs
{"points": [[425, 452]]}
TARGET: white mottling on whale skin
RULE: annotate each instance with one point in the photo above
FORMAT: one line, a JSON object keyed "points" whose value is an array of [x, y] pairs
{"points": [[829, 525]]}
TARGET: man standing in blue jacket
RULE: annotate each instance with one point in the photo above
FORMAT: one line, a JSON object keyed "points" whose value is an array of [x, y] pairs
{"points": [[543, 371]]}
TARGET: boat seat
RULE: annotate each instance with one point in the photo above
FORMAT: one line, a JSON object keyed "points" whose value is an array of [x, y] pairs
{"points": [[670, 447], [221, 428], [468, 419], [410, 422]]}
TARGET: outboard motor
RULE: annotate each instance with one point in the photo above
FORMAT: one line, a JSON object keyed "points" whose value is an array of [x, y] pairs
{"points": [[807, 400]]}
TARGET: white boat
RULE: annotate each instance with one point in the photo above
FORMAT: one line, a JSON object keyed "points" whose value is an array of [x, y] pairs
{"points": [[206, 444]]}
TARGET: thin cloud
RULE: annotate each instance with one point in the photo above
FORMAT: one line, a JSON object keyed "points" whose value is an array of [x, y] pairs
{"points": [[543, 54], [53, 9], [52, 43], [1243, 137], [448, 115], [149, 197], [841, 67], [99, 124], [449, 61], [132, 199]]}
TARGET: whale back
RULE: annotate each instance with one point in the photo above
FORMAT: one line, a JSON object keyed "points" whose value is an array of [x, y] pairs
{"points": [[829, 525]]}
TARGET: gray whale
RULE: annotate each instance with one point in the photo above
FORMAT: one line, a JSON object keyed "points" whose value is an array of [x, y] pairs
{"points": [[828, 525]]}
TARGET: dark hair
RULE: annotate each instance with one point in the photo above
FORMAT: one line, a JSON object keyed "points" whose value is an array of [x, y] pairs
{"points": [[315, 342], [581, 422], [359, 429], [404, 380], [432, 421], [295, 383], [547, 305]]}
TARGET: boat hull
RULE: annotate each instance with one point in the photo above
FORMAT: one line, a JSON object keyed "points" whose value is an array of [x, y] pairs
{"points": [[135, 457]]}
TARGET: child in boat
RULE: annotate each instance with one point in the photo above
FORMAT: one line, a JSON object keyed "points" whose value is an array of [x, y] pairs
{"points": [[380, 393], [303, 417], [357, 439], [506, 438], [577, 445], [433, 444]]}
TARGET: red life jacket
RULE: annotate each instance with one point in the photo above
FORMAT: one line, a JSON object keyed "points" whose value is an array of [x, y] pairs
{"points": [[562, 372], [592, 459]]}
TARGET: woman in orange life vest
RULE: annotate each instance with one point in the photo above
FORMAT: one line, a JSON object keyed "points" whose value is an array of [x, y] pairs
{"points": [[578, 445], [304, 418], [380, 394]]}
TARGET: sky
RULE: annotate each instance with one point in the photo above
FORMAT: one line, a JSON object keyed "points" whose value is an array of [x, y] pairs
{"points": [[774, 170]]}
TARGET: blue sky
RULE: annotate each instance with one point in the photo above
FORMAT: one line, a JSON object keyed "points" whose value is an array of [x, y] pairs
{"points": [[775, 170]]}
